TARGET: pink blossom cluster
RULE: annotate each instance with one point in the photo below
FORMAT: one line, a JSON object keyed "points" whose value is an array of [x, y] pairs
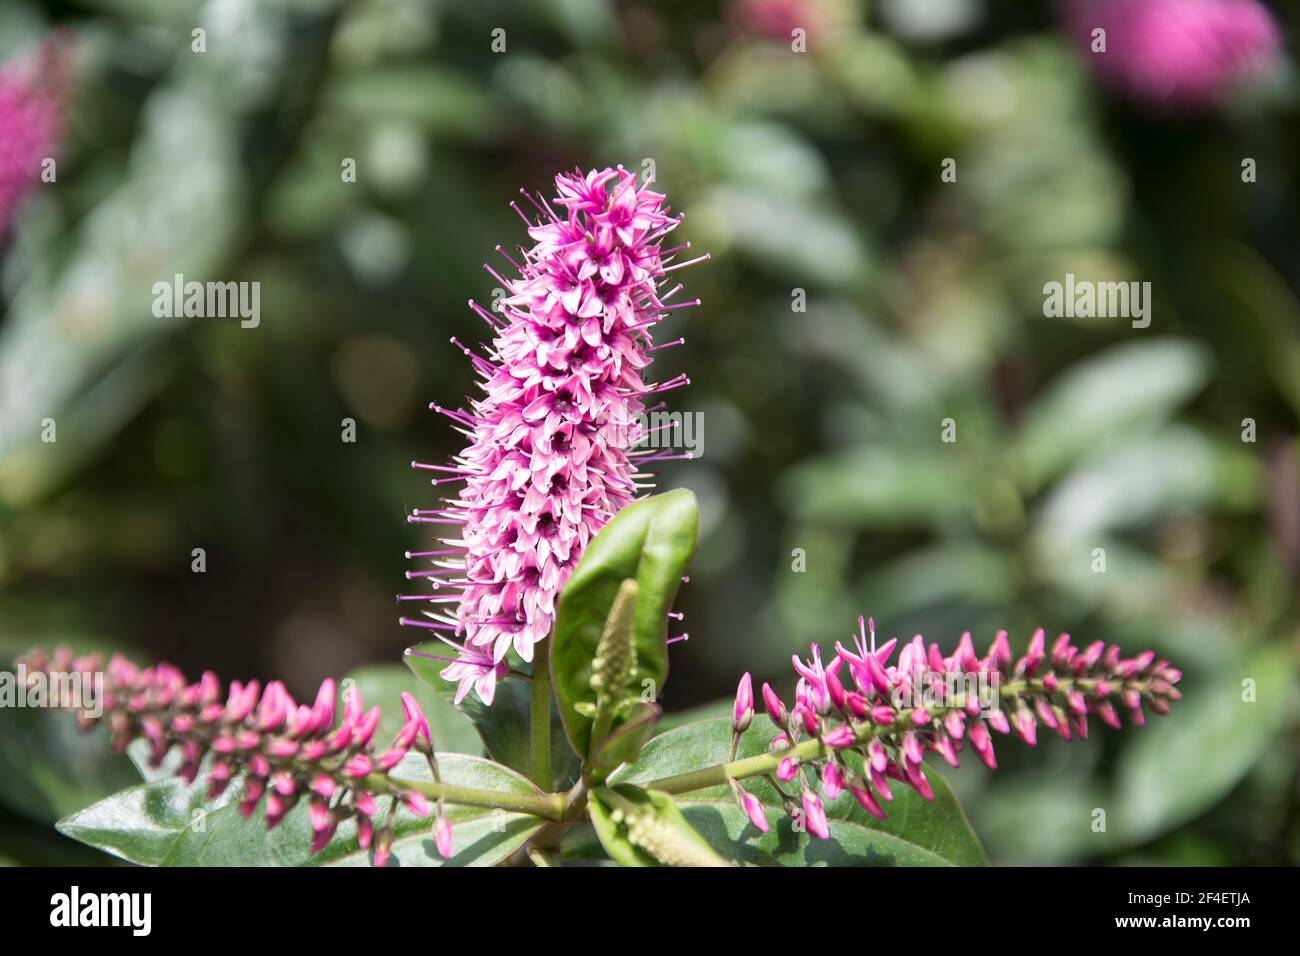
{"points": [[31, 123], [890, 715], [1177, 53], [550, 457], [283, 750]]}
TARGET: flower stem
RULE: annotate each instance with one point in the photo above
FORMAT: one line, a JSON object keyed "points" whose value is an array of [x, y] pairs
{"points": [[549, 806], [539, 718]]}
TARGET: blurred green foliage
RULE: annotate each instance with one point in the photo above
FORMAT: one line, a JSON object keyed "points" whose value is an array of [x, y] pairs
{"points": [[817, 172]]}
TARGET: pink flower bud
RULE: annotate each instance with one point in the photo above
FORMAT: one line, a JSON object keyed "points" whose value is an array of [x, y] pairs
{"points": [[835, 690], [742, 713], [814, 815], [416, 802], [413, 715], [787, 769], [1025, 727], [754, 810], [383, 846], [832, 779], [866, 801], [442, 836], [839, 738], [775, 708]]}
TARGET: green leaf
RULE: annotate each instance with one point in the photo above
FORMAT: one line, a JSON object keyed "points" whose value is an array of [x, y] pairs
{"points": [[916, 832], [503, 727], [666, 839], [167, 823], [1192, 758], [1124, 389], [651, 541], [880, 486]]}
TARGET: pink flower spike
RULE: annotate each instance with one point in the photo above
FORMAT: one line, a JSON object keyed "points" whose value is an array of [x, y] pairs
{"points": [[742, 713], [553, 438]]}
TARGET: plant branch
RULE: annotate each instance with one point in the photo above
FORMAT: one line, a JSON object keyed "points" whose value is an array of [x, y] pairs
{"points": [[549, 806], [539, 717]]}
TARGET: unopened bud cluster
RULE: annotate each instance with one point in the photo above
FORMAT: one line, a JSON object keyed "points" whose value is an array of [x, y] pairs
{"points": [[857, 704], [285, 752]]}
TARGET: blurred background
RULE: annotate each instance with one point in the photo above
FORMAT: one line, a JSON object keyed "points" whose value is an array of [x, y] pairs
{"points": [[856, 299]]}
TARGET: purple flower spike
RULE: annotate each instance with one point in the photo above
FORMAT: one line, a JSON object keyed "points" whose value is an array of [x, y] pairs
{"points": [[551, 455]]}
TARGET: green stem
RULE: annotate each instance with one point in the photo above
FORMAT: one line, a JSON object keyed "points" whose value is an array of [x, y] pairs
{"points": [[549, 806], [814, 749], [539, 718]]}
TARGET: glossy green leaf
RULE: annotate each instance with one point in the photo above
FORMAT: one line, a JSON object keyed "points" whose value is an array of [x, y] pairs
{"points": [[503, 727], [915, 832], [652, 541], [1122, 390], [676, 843], [166, 823]]}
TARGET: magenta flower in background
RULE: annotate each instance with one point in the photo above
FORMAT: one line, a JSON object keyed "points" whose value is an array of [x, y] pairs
{"points": [[1182, 54], [550, 457], [778, 19], [31, 123]]}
